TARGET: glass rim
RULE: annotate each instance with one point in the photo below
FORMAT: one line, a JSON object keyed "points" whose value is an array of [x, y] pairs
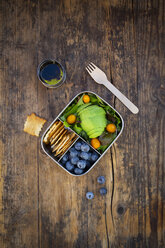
{"points": [[43, 82]]}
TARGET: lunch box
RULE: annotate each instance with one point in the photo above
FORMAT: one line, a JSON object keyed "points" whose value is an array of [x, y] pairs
{"points": [[48, 151]]}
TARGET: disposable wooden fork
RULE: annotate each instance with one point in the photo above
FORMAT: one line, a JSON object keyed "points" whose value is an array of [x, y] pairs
{"points": [[100, 77]]}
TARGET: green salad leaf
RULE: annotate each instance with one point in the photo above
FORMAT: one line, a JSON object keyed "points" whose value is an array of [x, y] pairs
{"points": [[77, 128], [85, 136], [93, 98], [66, 124], [107, 138], [101, 149], [72, 109]]}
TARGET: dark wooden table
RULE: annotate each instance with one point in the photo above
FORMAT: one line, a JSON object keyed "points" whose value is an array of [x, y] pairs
{"points": [[40, 204]]}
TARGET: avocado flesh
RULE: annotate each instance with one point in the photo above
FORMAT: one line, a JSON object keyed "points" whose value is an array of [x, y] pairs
{"points": [[93, 120], [83, 107], [93, 132], [95, 135]]}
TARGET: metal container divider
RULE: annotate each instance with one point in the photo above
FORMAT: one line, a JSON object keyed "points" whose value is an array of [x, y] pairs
{"points": [[82, 139], [68, 149]]}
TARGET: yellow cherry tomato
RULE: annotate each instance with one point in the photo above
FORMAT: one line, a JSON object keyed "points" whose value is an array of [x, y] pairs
{"points": [[86, 99], [71, 119], [95, 143], [111, 128]]}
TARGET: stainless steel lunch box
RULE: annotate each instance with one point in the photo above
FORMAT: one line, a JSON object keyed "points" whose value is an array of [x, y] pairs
{"points": [[48, 152]]}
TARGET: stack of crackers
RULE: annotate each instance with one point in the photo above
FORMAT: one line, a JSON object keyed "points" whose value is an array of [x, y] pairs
{"points": [[59, 138]]}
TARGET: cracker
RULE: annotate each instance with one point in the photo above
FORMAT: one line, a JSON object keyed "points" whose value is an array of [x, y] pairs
{"points": [[58, 138], [56, 132], [61, 143], [51, 131], [63, 150], [33, 124], [68, 142], [72, 135]]}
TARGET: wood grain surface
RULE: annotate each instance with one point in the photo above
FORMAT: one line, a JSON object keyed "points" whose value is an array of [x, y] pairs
{"points": [[40, 204]]}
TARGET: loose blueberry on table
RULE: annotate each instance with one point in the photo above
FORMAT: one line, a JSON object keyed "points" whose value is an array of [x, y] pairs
{"points": [[101, 179], [103, 191], [89, 195]]}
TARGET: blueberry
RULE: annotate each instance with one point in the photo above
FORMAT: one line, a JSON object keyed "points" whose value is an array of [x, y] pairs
{"points": [[84, 155], [89, 195], [103, 191], [74, 160], [69, 166], [101, 179], [78, 155], [81, 164], [73, 154], [89, 155], [78, 146], [78, 171], [85, 148], [94, 157], [65, 158], [72, 149]]}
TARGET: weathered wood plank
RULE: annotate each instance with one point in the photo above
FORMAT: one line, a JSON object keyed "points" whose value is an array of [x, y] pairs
{"points": [[137, 50], [20, 154], [151, 160], [84, 223]]}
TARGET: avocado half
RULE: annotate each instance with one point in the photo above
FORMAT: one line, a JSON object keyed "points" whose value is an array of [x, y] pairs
{"points": [[93, 119]]}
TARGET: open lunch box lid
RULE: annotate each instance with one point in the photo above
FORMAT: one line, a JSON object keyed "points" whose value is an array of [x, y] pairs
{"points": [[77, 142]]}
